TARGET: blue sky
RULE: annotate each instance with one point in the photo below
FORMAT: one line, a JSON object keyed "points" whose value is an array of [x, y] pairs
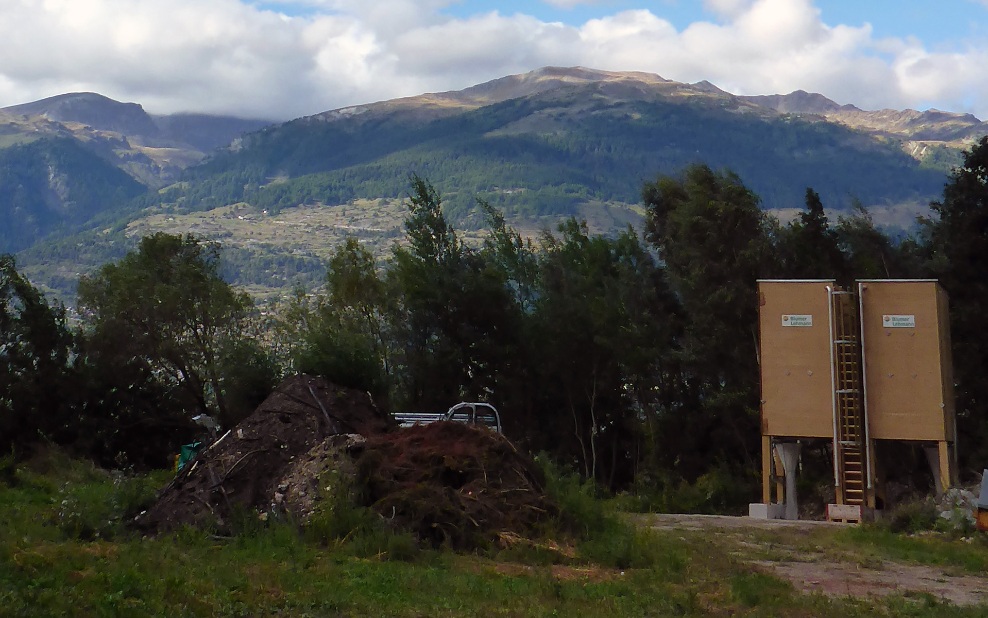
{"points": [[936, 22], [282, 59]]}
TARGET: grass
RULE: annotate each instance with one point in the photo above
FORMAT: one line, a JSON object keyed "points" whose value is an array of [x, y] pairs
{"points": [[51, 564], [960, 554]]}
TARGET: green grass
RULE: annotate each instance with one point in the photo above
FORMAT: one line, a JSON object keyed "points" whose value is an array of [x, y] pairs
{"points": [[51, 565], [962, 554]]}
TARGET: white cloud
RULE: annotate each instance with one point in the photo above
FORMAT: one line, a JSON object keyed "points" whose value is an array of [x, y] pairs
{"points": [[285, 58]]}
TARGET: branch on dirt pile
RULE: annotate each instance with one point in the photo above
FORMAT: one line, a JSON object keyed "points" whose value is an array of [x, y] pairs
{"points": [[334, 422], [219, 485], [334, 427], [234, 466]]}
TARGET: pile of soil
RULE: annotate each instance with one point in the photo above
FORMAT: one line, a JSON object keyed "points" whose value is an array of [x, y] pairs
{"points": [[326, 471], [448, 483], [453, 484], [242, 469]]}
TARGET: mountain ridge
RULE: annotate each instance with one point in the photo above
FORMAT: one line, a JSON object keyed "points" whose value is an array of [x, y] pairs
{"points": [[540, 146], [153, 149]]}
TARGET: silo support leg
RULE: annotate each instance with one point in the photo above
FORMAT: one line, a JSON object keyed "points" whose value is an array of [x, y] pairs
{"points": [[939, 458], [946, 478], [766, 469], [789, 453]]}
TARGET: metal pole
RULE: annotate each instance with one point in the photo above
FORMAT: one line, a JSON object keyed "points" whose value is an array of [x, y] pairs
{"points": [[864, 384], [833, 384]]}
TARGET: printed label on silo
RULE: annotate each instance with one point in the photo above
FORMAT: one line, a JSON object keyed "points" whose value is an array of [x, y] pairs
{"points": [[899, 321], [797, 320]]}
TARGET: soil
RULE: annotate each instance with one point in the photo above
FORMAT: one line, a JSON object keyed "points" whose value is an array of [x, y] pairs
{"points": [[818, 572], [447, 483], [241, 471]]}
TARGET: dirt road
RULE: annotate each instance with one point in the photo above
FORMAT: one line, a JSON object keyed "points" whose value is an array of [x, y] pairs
{"points": [[800, 552]]}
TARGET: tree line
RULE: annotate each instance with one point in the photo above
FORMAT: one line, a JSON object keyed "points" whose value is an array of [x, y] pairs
{"points": [[631, 358]]}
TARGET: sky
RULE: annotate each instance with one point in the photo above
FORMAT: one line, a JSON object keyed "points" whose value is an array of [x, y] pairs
{"points": [[281, 59]]}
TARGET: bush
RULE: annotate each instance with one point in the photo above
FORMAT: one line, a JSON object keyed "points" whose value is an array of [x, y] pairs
{"points": [[718, 492], [911, 516], [344, 358], [581, 512], [602, 535], [339, 520]]}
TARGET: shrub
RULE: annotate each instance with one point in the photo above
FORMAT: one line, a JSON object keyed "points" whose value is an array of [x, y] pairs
{"points": [[911, 516], [719, 491], [339, 520], [602, 535]]}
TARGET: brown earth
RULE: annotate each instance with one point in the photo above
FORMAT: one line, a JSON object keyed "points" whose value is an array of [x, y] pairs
{"points": [[447, 483], [243, 468]]}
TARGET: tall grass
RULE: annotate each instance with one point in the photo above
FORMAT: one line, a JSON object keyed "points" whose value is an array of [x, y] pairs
{"points": [[601, 535]]}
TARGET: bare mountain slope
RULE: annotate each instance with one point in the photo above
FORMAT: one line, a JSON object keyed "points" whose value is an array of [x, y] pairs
{"points": [[152, 149]]}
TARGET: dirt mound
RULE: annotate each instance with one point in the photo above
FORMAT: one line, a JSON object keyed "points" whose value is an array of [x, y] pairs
{"points": [[309, 478], [243, 468], [452, 484], [448, 483]]}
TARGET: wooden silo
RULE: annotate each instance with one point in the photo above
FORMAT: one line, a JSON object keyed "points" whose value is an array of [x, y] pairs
{"points": [[794, 333], [908, 374], [853, 369]]}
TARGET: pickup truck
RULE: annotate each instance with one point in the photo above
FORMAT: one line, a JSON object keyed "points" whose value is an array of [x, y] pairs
{"points": [[473, 413]]}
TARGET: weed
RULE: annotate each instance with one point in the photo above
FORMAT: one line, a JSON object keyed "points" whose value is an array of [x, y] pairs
{"points": [[934, 548], [582, 513], [97, 509], [603, 536], [339, 520]]}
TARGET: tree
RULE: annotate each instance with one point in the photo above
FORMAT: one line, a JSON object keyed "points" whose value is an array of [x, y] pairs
{"points": [[602, 333], [958, 248], [871, 254], [713, 238], [451, 312], [35, 350], [809, 247], [164, 307], [342, 335]]}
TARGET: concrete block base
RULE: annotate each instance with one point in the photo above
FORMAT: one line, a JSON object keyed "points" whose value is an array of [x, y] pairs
{"points": [[759, 510], [849, 513]]}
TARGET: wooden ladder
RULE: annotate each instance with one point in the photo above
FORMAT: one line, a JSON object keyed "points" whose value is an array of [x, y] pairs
{"points": [[849, 439]]}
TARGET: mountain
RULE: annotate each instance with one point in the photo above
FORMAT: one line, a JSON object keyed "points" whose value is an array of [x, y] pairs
{"points": [[54, 184], [90, 109], [152, 149], [541, 146], [933, 136], [546, 143], [67, 159]]}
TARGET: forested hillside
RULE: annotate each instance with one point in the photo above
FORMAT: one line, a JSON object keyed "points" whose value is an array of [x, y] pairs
{"points": [[546, 153], [53, 185]]}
